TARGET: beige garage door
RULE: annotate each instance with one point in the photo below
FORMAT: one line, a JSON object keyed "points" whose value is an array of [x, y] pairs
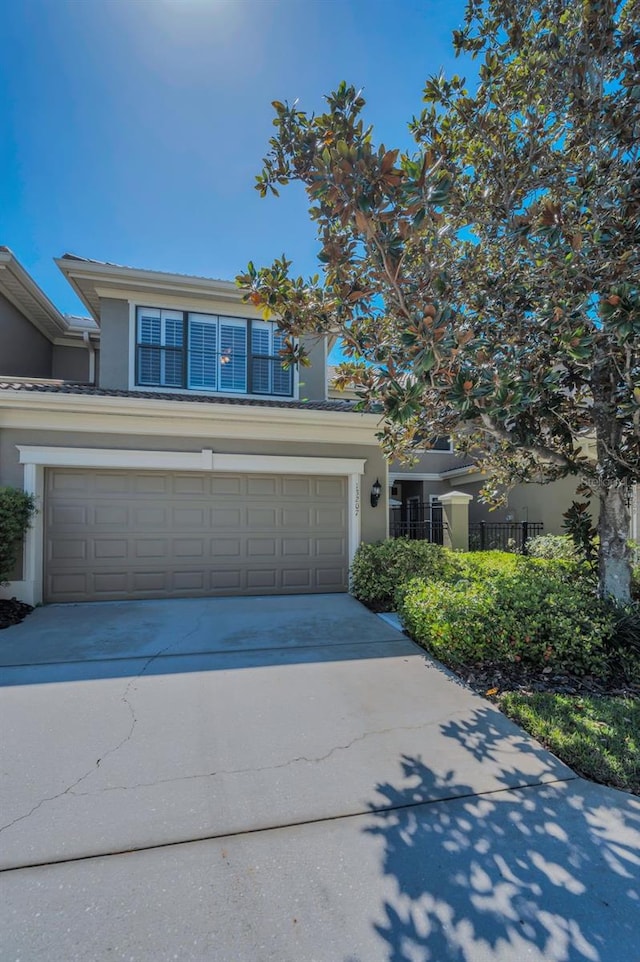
{"points": [[146, 534]]}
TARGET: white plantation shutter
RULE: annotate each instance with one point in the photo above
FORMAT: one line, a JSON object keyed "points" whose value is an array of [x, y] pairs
{"points": [[215, 356], [159, 330], [281, 378], [260, 366], [203, 357], [233, 355], [173, 333], [149, 332], [149, 328]]}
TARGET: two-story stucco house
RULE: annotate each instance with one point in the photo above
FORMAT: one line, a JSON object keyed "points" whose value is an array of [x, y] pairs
{"points": [[170, 451]]}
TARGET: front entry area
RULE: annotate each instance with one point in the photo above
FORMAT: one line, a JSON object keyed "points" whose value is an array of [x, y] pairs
{"points": [[135, 534]]}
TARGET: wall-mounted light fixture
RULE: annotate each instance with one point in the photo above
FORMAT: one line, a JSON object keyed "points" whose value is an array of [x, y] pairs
{"points": [[376, 491]]}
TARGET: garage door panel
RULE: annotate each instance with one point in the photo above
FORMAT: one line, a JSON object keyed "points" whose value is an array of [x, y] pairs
{"points": [[192, 484], [297, 578], [110, 484], [225, 548], [110, 582], [113, 534], [66, 514], [110, 515], [328, 488], [189, 581], [72, 550], [69, 481], [330, 517], [262, 517], [151, 548], [330, 547], [297, 487], [230, 517], [113, 548], [153, 483], [329, 578], [226, 485], [189, 517], [262, 487]]}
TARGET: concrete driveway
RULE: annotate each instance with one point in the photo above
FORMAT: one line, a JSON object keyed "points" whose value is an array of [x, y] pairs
{"points": [[287, 779]]}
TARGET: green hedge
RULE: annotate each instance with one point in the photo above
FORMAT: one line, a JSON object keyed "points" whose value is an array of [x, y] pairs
{"points": [[539, 616], [381, 570], [552, 546], [16, 509]]}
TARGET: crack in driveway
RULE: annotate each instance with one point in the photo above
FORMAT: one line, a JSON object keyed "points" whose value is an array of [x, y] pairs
{"points": [[123, 741], [267, 768], [70, 789]]}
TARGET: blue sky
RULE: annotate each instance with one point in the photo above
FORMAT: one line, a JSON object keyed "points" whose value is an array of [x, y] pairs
{"points": [[132, 130]]}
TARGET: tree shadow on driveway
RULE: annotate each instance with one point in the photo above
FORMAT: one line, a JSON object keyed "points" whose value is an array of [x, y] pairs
{"points": [[547, 873]]}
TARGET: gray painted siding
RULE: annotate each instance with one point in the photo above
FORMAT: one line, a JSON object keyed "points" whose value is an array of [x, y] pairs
{"points": [[70, 363], [313, 379], [24, 351], [114, 344]]}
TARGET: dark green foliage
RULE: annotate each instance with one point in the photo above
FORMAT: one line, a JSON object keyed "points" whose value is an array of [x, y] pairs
{"points": [[16, 509], [578, 524], [624, 643], [380, 570], [542, 616], [552, 546], [485, 283]]}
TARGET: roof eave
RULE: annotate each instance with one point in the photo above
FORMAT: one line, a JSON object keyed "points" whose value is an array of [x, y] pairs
{"points": [[25, 294], [90, 279]]}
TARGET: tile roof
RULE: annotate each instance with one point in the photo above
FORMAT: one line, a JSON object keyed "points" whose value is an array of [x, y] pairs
{"points": [[88, 390]]}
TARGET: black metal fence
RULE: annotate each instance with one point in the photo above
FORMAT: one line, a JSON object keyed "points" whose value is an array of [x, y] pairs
{"points": [[503, 536], [417, 521]]}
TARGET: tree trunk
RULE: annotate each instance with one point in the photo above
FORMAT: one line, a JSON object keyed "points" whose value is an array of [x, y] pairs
{"points": [[614, 554]]}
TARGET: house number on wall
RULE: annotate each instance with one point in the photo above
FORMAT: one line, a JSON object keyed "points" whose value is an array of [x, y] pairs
{"points": [[357, 499]]}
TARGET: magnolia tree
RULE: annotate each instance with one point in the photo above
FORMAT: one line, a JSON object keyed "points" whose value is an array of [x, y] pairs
{"points": [[486, 285]]}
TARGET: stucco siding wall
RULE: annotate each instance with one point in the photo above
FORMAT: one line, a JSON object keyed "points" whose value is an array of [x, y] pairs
{"points": [[531, 502], [70, 363], [24, 351], [373, 520], [313, 379], [114, 344]]}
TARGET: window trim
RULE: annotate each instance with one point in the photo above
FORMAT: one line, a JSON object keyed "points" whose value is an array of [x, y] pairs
{"points": [[158, 347], [136, 307]]}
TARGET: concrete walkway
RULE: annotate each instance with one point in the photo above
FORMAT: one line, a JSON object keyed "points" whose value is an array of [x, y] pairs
{"points": [[287, 779]]}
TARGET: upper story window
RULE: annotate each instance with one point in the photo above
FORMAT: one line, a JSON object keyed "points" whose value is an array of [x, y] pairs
{"points": [[209, 352]]}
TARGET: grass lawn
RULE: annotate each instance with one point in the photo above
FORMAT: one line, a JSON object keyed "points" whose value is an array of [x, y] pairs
{"points": [[597, 736]]}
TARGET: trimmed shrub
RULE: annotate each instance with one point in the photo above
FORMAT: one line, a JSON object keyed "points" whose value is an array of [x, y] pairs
{"points": [[552, 547], [16, 509], [381, 570], [480, 565], [540, 615], [486, 565]]}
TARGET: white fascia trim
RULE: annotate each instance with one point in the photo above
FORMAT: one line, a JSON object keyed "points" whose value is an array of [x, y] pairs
{"points": [[414, 476], [187, 410], [205, 460], [95, 270], [460, 472]]}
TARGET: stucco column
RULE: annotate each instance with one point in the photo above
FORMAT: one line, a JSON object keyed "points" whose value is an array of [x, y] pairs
{"points": [[455, 508]]}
